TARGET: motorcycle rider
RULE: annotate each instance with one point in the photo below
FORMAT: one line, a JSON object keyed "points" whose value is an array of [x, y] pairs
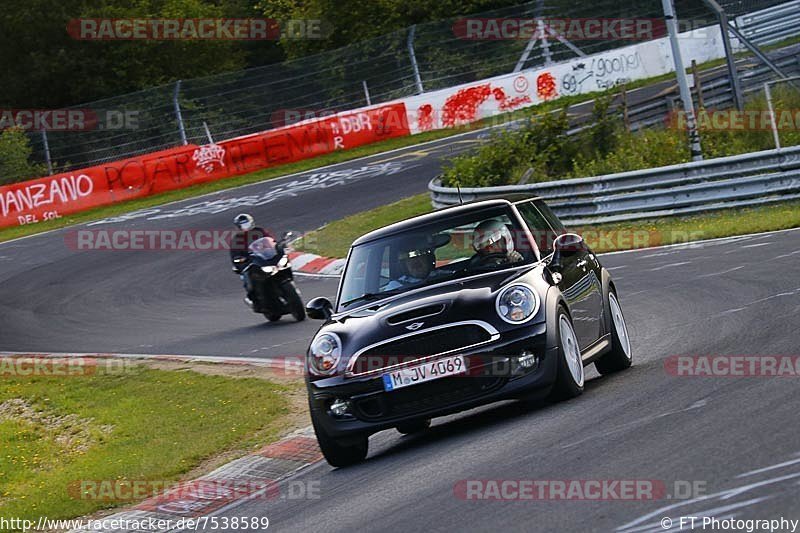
{"points": [[240, 246], [248, 233]]}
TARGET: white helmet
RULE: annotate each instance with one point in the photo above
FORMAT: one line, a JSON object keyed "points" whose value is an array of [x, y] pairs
{"points": [[491, 232], [244, 222]]}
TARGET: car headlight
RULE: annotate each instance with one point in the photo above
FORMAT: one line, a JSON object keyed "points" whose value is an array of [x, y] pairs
{"points": [[269, 269], [517, 304], [324, 354]]}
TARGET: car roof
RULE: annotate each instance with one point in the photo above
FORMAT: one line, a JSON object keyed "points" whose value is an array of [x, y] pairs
{"points": [[420, 220]]}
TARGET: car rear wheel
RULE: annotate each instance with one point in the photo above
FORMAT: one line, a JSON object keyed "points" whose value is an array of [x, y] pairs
{"points": [[620, 357], [337, 452], [415, 426], [570, 374]]}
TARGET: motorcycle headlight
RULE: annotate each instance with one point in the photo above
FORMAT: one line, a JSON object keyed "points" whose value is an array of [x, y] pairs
{"points": [[269, 269], [324, 354], [283, 261], [517, 304]]}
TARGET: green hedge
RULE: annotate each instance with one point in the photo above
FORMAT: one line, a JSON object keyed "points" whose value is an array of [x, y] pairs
{"points": [[606, 147]]}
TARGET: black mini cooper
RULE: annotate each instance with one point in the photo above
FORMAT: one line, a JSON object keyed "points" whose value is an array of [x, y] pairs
{"points": [[465, 306]]}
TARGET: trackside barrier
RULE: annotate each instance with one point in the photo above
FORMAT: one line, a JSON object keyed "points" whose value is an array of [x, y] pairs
{"points": [[54, 196], [747, 179]]}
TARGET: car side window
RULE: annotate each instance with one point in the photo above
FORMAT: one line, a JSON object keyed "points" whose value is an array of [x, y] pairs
{"points": [[541, 230], [551, 217]]}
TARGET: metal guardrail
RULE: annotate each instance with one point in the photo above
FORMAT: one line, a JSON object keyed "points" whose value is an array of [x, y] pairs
{"points": [[771, 25], [748, 179]]}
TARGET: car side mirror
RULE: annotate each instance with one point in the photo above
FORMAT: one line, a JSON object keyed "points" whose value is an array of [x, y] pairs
{"points": [[320, 308], [564, 246]]}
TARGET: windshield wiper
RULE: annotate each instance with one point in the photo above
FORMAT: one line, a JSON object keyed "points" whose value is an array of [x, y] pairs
{"points": [[371, 296]]}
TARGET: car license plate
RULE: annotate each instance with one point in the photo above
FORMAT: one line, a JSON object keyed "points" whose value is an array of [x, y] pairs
{"points": [[413, 375]]}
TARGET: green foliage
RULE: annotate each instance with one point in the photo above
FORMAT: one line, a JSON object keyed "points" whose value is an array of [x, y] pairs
{"points": [[15, 153], [45, 67], [604, 148]]}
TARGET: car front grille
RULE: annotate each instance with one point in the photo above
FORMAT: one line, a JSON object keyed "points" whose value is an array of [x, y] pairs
{"points": [[424, 397], [425, 344]]}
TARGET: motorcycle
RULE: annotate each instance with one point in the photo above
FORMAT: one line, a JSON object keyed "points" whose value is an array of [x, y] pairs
{"points": [[267, 275]]}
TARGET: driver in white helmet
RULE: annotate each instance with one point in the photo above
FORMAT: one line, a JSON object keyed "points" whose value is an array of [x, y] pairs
{"points": [[494, 245]]}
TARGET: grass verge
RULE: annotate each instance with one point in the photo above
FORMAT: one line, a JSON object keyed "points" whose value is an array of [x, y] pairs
{"points": [[333, 240], [140, 423]]}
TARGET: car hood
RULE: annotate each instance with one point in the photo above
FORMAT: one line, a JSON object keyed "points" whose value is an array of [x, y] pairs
{"points": [[467, 301]]}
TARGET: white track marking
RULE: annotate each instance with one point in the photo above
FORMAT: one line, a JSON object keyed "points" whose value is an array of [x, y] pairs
{"points": [[768, 468], [670, 265], [721, 273]]}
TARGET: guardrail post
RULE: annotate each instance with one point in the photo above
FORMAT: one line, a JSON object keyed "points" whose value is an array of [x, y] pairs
{"points": [[178, 115], [413, 56]]}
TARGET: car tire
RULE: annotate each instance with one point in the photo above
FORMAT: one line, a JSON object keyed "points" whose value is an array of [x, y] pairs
{"points": [[570, 373], [339, 453], [293, 301], [414, 426], [271, 317], [620, 356]]}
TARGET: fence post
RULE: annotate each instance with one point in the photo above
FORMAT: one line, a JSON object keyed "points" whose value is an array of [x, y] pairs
{"points": [[683, 84], [775, 134], [698, 86], [208, 133], [366, 92], [178, 115], [413, 57], [46, 147], [736, 86], [626, 119]]}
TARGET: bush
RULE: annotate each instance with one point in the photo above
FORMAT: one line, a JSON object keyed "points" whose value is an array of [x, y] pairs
{"points": [[15, 153], [603, 148]]}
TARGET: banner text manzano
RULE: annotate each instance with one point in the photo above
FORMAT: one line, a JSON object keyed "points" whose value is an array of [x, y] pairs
{"points": [[137, 177]]}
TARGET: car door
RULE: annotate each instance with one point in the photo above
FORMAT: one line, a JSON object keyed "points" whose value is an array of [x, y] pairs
{"points": [[579, 283]]}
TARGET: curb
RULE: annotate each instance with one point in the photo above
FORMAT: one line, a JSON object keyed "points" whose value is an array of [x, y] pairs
{"points": [[247, 478], [316, 264]]}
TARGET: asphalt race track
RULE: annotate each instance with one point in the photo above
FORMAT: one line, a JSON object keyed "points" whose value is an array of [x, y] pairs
{"points": [[735, 438]]}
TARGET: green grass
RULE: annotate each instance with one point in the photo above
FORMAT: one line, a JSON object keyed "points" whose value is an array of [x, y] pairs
{"points": [[140, 424], [333, 240]]}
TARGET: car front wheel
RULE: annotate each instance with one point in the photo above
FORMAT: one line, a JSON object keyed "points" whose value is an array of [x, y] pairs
{"points": [[337, 452], [620, 356]]}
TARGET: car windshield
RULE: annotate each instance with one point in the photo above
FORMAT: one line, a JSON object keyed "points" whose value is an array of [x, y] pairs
{"points": [[447, 249], [263, 248]]}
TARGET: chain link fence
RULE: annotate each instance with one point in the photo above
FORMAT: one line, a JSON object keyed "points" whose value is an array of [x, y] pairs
{"points": [[419, 58]]}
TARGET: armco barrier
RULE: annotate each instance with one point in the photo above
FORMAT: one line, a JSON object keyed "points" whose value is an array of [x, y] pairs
{"points": [[747, 179], [51, 197]]}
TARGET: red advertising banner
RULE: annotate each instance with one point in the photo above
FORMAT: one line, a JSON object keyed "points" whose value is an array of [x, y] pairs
{"points": [[51, 197]]}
